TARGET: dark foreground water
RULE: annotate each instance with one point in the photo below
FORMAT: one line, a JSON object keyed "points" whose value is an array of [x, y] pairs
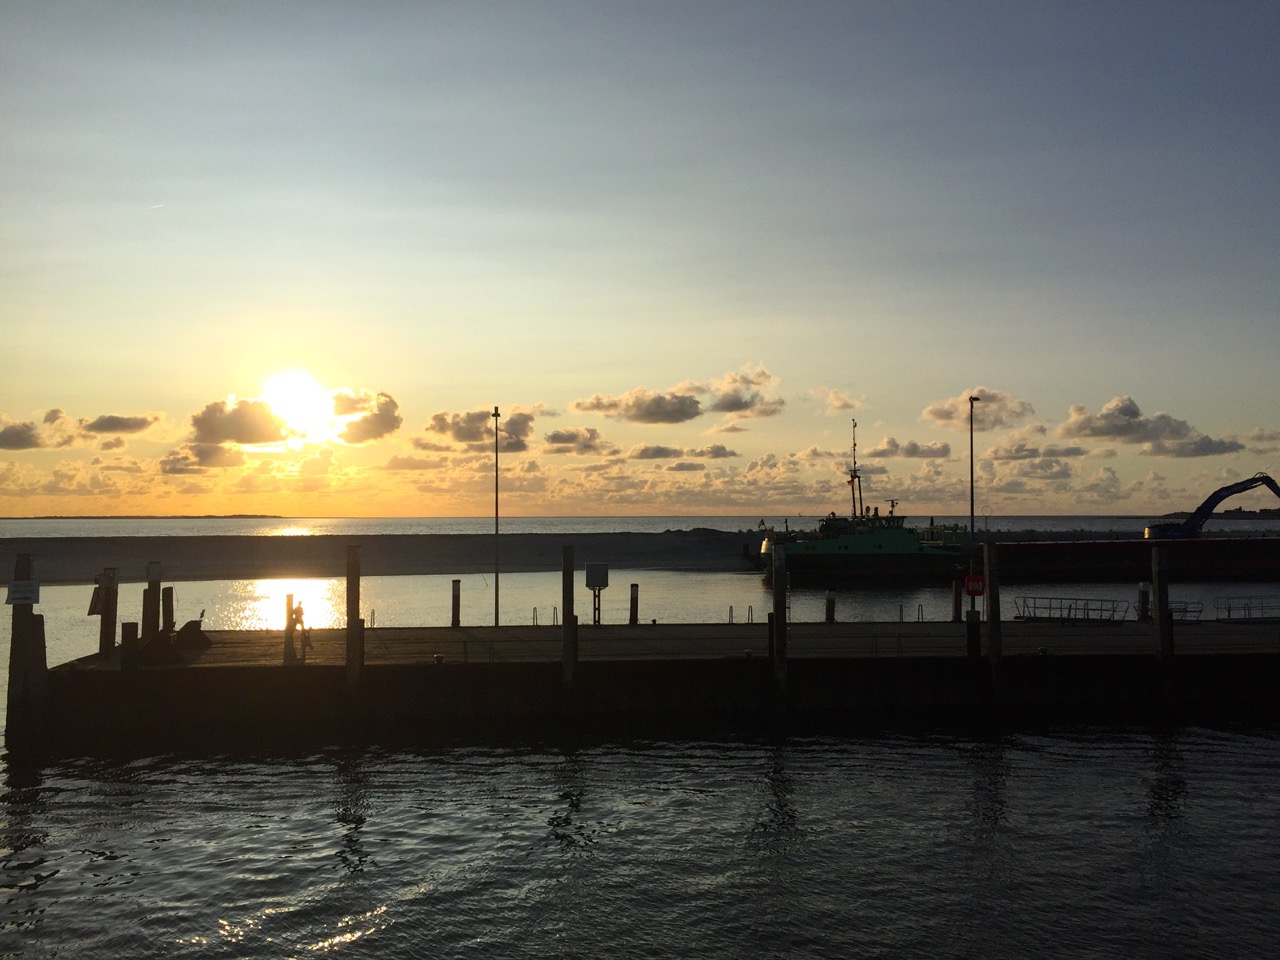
{"points": [[1107, 843]]}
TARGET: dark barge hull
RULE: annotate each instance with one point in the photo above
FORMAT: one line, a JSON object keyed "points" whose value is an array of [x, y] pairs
{"points": [[1225, 559]]}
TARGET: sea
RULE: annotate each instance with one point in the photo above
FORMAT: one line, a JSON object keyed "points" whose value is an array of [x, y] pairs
{"points": [[1037, 842]]}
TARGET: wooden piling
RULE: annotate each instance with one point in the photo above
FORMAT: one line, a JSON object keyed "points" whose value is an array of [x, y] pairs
{"points": [[569, 629], [151, 602], [635, 605], [831, 607], [780, 616], [28, 662], [995, 639], [109, 593], [128, 647], [956, 603], [456, 619], [1160, 586], [355, 625], [167, 623]]}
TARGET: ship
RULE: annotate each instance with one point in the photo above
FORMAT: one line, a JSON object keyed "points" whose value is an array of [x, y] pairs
{"points": [[867, 545]]}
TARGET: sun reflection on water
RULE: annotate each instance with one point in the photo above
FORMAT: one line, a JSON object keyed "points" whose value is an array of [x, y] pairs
{"points": [[263, 604]]}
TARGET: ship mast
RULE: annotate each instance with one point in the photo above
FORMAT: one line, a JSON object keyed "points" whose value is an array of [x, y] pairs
{"points": [[855, 478]]}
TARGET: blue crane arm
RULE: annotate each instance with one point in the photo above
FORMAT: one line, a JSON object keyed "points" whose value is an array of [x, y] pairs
{"points": [[1205, 510]]}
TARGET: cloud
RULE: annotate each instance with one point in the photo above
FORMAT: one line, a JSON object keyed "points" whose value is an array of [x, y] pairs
{"points": [[1021, 450], [466, 428], [1161, 435], [1042, 468], [19, 436], [654, 452], [583, 441], [715, 451], [994, 410], [379, 416], [248, 422], [416, 463], [642, 406], [836, 401], [739, 394], [474, 429], [110, 423], [890, 447], [685, 466]]}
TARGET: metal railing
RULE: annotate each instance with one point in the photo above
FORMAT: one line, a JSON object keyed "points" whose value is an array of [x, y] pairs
{"points": [[1070, 609], [1247, 608]]}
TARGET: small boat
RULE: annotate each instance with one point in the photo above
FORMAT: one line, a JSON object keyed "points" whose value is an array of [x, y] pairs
{"points": [[867, 545]]}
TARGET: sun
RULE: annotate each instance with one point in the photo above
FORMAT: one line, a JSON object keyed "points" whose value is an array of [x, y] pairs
{"points": [[305, 407]]}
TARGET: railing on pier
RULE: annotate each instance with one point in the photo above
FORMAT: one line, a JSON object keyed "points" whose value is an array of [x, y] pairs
{"points": [[1247, 608], [1070, 609], [1189, 610]]}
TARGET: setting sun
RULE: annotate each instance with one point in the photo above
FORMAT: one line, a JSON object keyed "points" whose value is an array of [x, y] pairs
{"points": [[304, 405]]}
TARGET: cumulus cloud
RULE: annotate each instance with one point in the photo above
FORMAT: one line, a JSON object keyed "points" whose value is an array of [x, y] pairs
{"points": [[110, 423], [837, 402], [743, 394], [890, 447], [642, 406], [474, 429], [583, 441], [685, 466], [1161, 435], [715, 451], [654, 452], [379, 415], [1021, 450], [248, 422], [19, 436], [416, 463], [994, 410]]}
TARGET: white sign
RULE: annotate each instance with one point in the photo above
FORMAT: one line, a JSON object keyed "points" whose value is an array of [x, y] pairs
{"points": [[23, 591]]}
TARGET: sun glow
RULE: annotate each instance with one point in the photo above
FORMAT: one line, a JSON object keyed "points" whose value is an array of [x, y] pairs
{"points": [[305, 407]]}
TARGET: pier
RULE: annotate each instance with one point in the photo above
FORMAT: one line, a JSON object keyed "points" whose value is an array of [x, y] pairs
{"points": [[164, 685]]}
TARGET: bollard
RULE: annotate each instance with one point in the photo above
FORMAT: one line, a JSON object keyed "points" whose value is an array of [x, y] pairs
{"points": [[955, 601], [456, 619], [831, 607], [635, 604], [109, 585]]}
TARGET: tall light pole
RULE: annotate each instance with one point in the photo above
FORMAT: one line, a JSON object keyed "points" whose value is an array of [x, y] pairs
{"points": [[972, 401], [495, 516]]}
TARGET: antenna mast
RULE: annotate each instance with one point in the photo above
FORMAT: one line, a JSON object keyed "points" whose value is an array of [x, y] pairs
{"points": [[855, 478]]}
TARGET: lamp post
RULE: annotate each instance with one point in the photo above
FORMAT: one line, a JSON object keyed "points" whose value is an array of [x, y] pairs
{"points": [[974, 642], [972, 401], [495, 516]]}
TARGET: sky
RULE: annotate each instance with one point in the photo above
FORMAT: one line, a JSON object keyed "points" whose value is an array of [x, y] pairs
{"points": [[288, 257]]}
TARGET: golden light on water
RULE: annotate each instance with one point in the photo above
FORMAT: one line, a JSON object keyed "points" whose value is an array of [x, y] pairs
{"points": [[262, 604]]}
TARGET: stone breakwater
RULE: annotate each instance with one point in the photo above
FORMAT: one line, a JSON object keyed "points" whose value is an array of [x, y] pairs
{"points": [[79, 559]]}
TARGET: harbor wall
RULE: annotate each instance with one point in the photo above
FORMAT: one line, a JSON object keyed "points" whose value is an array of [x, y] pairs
{"points": [[165, 708]]}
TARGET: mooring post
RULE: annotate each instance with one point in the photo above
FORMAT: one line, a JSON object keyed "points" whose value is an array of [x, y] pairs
{"points": [[831, 607], [1160, 585], [109, 594], [956, 602], [290, 624], [151, 602], [1144, 601], [569, 629], [355, 625], [456, 619], [635, 604], [995, 638], [128, 647], [780, 616], [28, 662], [167, 623]]}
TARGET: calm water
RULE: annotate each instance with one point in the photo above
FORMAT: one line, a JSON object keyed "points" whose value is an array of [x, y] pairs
{"points": [[1106, 843], [1066, 843]]}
